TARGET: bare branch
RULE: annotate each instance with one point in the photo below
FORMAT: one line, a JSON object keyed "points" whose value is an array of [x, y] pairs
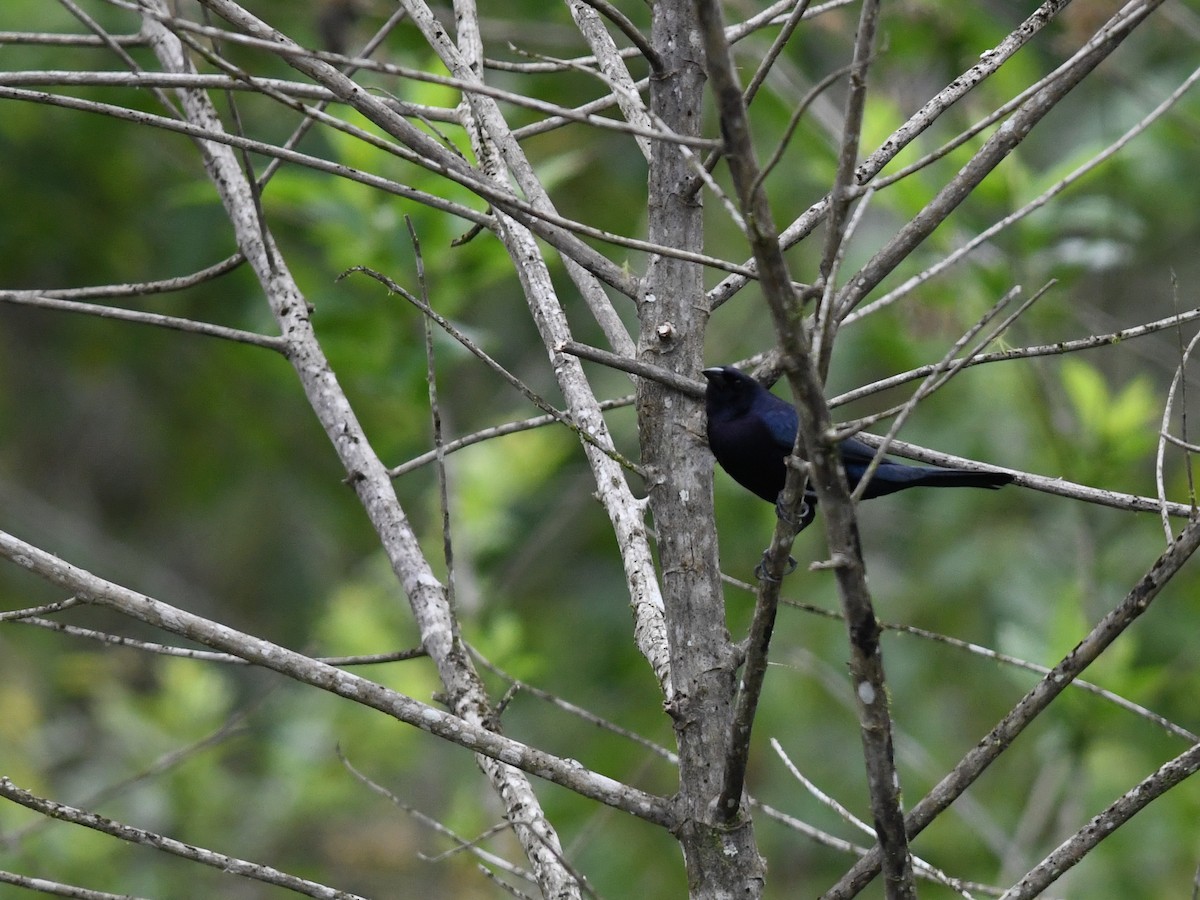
{"points": [[993, 152], [497, 149], [1171, 728], [630, 31], [174, 80], [59, 888], [230, 864], [28, 617], [633, 367], [428, 600], [435, 415], [586, 109], [434, 825], [1037, 203], [117, 640], [1058, 486], [487, 434], [486, 173], [839, 193], [828, 479], [1177, 388], [922, 868], [32, 612], [481, 354], [55, 39], [612, 65], [990, 60], [174, 323], [143, 288], [93, 589], [1107, 630], [467, 85], [774, 15], [1073, 850], [946, 369], [575, 710], [1088, 343], [218, 135]]}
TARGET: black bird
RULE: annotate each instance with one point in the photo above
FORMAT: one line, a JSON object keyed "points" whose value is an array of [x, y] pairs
{"points": [[751, 433]]}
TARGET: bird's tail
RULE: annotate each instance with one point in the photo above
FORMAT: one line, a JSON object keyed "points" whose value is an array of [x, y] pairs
{"points": [[960, 478], [889, 479]]}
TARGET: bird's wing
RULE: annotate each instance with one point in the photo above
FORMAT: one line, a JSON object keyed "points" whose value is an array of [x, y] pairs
{"points": [[780, 418], [855, 451]]}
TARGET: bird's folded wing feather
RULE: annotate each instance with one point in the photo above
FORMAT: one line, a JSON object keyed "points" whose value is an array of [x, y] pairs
{"points": [[781, 420]]}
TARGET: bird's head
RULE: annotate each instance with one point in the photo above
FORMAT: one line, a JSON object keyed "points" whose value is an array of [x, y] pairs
{"points": [[729, 390]]}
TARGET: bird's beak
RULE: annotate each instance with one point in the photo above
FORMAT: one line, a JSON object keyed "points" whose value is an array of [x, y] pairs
{"points": [[714, 373]]}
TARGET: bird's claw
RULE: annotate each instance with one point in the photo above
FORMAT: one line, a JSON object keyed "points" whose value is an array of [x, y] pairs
{"points": [[808, 512], [761, 573]]}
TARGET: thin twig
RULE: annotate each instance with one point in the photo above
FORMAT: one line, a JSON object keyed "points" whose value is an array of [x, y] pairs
{"points": [[756, 81], [435, 415], [797, 14], [298, 53], [835, 220], [486, 434], [990, 61], [633, 366], [899, 628], [30, 612], [1088, 343], [1178, 386], [164, 763], [774, 15], [205, 81], [947, 368], [174, 323], [507, 888], [142, 288], [266, 149], [427, 114], [922, 868], [583, 110], [55, 39], [432, 823], [1058, 486], [362, 659], [117, 50], [616, 73], [495, 366], [578, 711], [794, 122]]}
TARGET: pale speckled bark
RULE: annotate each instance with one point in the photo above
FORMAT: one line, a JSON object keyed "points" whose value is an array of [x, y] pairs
{"points": [[722, 860]]}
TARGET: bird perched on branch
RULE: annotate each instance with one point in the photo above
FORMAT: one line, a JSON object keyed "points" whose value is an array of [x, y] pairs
{"points": [[751, 432]]}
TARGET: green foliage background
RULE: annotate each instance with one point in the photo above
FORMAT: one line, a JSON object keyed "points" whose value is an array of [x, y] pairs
{"points": [[193, 470]]}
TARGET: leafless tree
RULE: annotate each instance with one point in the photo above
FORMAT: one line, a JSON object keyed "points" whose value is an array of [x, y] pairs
{"points": [[681, 92]]}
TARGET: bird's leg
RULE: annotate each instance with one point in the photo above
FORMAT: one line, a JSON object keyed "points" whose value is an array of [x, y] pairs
{"points": [[760, 571], [808, 512]]}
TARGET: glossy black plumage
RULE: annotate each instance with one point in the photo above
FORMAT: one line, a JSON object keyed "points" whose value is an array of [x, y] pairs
{"points": [[751, 432]]}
